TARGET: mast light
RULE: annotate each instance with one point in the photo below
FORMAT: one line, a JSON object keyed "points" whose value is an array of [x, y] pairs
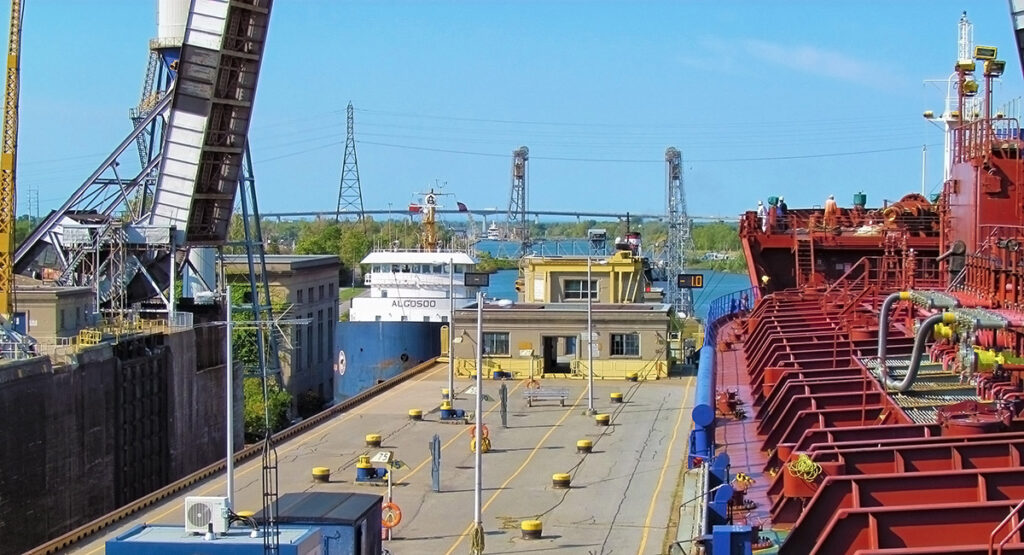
{"points": [[994, 68], [985, 52]]}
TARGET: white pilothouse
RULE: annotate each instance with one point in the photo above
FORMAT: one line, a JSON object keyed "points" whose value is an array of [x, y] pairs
{"points": [[416, 285]]}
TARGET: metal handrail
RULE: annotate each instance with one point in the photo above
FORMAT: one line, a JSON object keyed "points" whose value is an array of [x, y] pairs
{"points": [[1009, 517]]}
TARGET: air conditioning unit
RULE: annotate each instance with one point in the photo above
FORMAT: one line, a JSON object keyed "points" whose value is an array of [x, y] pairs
{"points": [[201, 511]]}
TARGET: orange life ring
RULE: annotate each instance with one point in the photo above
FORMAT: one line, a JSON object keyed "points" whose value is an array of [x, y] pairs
{"points": [[484, 432], [390, 515], [532, 384]]}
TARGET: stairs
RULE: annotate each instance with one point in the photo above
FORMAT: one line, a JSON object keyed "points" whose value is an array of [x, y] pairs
{"points": [[803, 251]]}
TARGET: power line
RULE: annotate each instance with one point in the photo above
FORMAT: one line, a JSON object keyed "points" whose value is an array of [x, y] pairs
{"points": [[717, 124], [646, 160]]}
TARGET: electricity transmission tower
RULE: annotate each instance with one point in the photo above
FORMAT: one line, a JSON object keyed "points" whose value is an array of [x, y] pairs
{"points": [[350, 194]]}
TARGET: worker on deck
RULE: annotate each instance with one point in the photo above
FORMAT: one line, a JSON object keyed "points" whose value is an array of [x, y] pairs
{"points": [[762, 216], [831, 212], [780, 214]]}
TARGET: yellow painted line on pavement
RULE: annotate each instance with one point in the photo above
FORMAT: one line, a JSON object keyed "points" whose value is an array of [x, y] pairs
{"points": [[452, 440], [664, 467], [501, 488]]}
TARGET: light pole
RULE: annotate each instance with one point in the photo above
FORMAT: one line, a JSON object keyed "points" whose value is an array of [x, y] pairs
{"points": [[451, 330], [230, 404], [478, 519], [590, 342]]}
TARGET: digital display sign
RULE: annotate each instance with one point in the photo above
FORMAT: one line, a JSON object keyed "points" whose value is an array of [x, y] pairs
{"points": [[690, 281]]}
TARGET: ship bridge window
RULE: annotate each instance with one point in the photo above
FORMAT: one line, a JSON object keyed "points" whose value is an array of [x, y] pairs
{"points": [[405, 268], [626, 344], [496, 343], [394, 267], [416, 269], [438, 268]]}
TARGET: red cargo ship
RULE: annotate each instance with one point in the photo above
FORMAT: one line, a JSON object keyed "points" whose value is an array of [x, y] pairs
{"points": [[870, 400]]}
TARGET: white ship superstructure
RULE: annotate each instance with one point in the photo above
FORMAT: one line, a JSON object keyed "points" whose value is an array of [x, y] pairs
{"points": [[414, 286]]}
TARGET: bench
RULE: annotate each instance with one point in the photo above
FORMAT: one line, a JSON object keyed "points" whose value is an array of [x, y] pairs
{"points": [[546, 394]]}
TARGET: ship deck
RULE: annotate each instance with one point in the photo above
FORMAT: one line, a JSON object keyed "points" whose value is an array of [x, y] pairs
{"points": [[620, 501]]}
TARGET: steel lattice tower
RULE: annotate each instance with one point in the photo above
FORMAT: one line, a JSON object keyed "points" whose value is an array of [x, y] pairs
{"points": [[679, 240], [518, 226], [350, 194]]}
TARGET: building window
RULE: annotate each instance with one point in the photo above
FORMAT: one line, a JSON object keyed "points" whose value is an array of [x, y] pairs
{"points": [[496, 343], [298, 296], [570, 345], [626, 344], [309, 295], [297, 357], [321, 291], [575, 289], [309, 337], [62, 319], [321, 343]]}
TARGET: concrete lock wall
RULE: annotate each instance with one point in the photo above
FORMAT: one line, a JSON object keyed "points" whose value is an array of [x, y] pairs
{"points": [[80, 440]]}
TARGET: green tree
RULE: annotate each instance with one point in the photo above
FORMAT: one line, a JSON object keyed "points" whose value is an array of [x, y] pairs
{"points": [[353, 246], [278, 401], [319, 237]]}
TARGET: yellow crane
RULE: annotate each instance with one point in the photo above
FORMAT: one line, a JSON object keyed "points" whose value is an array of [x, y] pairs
{"points": [[8, 162]]}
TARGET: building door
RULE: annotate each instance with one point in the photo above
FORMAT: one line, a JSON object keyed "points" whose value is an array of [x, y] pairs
{"points": [[550, 355]]}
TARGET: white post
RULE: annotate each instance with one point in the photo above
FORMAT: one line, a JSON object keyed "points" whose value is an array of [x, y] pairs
{"points": [[391, 469], [924, 167], [479, 404], [170, 293], [590, 343], [230, 404], [451, 329]]}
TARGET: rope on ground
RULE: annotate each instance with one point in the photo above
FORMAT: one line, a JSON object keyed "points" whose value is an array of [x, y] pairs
{"points": [[477, 546]]}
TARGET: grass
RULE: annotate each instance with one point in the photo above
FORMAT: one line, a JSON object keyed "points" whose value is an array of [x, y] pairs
{"points": [[349, 293]]}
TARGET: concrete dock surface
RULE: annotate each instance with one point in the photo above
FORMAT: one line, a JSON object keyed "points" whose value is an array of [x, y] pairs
{"points": [[622, 496]]}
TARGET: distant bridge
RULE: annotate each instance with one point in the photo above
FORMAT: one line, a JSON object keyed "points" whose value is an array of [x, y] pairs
{"points": [[489, 212]]}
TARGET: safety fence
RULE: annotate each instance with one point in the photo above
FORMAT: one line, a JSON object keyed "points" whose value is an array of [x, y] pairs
{"points": [[576, 368], [714, 495]]}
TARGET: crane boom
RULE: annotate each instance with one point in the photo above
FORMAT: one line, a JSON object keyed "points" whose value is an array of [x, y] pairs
{"points": [[8, 162]]}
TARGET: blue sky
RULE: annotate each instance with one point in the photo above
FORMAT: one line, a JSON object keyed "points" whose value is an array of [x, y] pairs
{"points": [[759, 96]]}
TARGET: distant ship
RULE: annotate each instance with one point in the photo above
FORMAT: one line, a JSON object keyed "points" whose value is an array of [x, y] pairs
{"points": [[493, 233], [398, 324]]}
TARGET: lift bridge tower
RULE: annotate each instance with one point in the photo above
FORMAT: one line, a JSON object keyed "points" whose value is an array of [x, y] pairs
{"points": [[518, 227], [679, 240]]}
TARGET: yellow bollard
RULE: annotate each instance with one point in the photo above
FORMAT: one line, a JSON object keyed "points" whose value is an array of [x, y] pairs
{"points": [[560, 481], [531, 529], [602, 419], [373, 440], [616, 397], [415, 414], [321, 474], [584, 446]]}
